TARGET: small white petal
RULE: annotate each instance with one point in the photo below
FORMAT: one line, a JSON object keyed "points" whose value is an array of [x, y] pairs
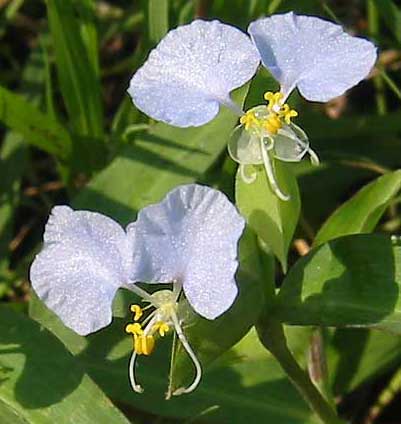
{"points": [[192, 71], [290, 143], [191, 236], [315, 55], [84, 261]]}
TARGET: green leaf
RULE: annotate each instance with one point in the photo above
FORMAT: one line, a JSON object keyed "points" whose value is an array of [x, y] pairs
{"points": [[42, 382], [77, 75], [245, 380], [158, 19], [159, 160], [9, 415], [351, 281], [361, 213], [272, 219], [36, 127]]}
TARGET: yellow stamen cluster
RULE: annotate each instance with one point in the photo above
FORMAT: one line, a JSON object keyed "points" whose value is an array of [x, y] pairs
{"points": [[249, 120], [272, 121], [144, 341], [276, 105]]}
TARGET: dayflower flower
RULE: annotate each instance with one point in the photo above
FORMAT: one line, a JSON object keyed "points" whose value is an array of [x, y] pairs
{"points": [[195, 67], [188, 240]]}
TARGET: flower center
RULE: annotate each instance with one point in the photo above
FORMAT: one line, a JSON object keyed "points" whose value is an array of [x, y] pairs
{"points": [[158, 322], [267, 120]]}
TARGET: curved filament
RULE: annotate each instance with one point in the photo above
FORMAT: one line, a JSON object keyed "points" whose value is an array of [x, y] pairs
{"points": [[191, 354], [131, 371], [314, 158], [270, 173]]}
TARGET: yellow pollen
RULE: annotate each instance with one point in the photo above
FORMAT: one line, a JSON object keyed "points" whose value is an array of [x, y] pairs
{"points": [[144, 345], [249, 120], [138, 312], [272, 119], [143, 338], [161, 327], [287, 113], [273, 123], [274, 99], [134, 329]]}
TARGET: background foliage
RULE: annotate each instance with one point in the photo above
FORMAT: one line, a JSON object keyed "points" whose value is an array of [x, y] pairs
{"points": [[71, 135]]}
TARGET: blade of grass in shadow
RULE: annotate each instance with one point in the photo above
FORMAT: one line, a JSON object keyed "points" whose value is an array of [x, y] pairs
{"points": [[158, 19], [78, 77]]}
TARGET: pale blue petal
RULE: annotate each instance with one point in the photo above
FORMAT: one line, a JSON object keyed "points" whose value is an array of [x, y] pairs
{"points": [[191, 236], [85, 259], [312, 54], [192, 71]]}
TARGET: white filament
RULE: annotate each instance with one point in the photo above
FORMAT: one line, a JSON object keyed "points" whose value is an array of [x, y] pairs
{"points": [[270, 173], [191, 354]]}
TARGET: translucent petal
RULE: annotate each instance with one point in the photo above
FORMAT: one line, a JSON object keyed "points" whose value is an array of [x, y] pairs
{"points": [[85, 259], [244, 147], [191, 236], [315, 55], [192, 71], [290, 143]]}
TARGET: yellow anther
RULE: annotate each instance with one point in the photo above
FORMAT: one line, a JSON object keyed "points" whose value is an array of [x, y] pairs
{"points": [[249, 119], [161, 327], [273, 124], [138, 312], [144, 345], [287, 113], [274, 99], [135, 329]]}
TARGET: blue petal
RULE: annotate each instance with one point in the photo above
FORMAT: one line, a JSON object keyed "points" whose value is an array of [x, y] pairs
{"points": [[191, 236], [192, 71], [85, 259], [312, 54]]}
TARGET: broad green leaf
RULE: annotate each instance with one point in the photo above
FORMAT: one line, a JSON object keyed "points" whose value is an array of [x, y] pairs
{"points": [[245, 380], [361, 213], [36, 127], [272, 219], [158, 161], [77, 75], [42, 381], [158, 19], [9, 415], [351, 281]]}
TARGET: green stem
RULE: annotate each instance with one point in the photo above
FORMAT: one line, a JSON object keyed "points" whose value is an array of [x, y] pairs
{"points": [[271, 334], [373, 20]]}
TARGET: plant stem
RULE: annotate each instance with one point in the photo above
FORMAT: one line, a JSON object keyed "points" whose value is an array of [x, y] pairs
{"points": [[373, 20], [272, 336]]}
